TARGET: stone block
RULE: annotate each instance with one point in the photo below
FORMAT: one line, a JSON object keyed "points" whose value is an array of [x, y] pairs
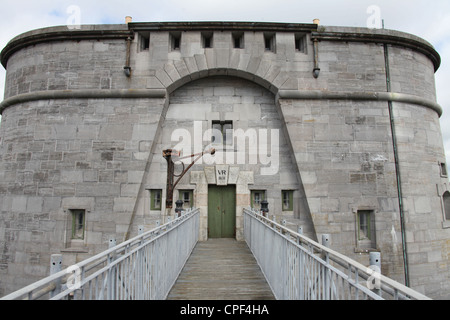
{"points": [[71, 176], [34, 204], [124, 204], [422, 205], [154, 83], [330, 205], [122, 132], [129, 190], [135, 176], [19, 204], [144, 131], [210, 175], [90, 176]]}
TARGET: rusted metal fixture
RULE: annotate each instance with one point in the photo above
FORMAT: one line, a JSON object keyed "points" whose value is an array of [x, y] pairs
{"points": [[316, 70], [167, 154]]}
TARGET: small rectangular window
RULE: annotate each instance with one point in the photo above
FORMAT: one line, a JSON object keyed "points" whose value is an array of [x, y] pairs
{"points": [[187, 196], [443, 169], [256, 197], [238, 40], [300, 43], [366, 233], [175, 41], [78, 224], [446, 198], [207, 39], [222, 133], [155, 199], [269, 41], [287, 197], [144, 41], [364, 225]]}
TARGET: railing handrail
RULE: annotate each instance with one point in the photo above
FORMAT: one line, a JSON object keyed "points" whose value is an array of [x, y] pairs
{"points": [[289, 235], [102, 257]]}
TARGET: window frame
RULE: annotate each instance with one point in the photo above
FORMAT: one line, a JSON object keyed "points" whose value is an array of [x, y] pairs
{"points": [[368, 241], [225, 142], [364, 227], [270, 42], [181, 194], [153, 193], [75, 229], [207, 40], [290, 200], [143, 42], [238, 37], [252, 198], [175, 41], [300, 42], [446, 203], [443, 169]]}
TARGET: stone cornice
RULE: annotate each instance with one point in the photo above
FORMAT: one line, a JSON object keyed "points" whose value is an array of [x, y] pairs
{"points": [[222, 26], [361, 96], [383, 37], [162, 93], [321, 33], [83, 94], [58, 34]]}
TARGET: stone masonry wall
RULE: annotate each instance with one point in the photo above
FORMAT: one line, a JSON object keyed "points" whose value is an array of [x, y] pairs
{"points": [[62, 155]]}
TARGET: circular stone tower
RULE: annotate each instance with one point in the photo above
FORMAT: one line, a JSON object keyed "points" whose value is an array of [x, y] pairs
{"points": [[345, 121]]}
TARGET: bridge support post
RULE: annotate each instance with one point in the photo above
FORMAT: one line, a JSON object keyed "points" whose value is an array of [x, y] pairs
{"points": [[375, 265], [327, 278], [111, 289], [300, 232], [55, 267]]}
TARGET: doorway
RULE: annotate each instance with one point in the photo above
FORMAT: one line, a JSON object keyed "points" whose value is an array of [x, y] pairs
{"points": [[221, 212]]}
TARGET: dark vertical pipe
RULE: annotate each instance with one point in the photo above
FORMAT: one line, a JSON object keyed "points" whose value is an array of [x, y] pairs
{"points": [[316, 70], [127, 68], [397, 169]]}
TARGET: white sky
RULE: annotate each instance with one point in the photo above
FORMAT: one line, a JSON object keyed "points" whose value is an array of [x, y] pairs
{"points": [[427, 19]]}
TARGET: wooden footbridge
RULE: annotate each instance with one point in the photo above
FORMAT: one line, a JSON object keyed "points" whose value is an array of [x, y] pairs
{"points": [[221, 269]]}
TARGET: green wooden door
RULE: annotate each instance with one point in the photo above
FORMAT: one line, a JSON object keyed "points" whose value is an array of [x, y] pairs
{"points": [[222, 212]]}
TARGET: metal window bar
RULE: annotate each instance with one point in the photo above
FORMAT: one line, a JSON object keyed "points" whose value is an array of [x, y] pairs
{"points": [[298, 268], [143, 268]]}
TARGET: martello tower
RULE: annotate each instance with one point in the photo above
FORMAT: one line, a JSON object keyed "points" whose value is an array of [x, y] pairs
{"points": [[340, 134]]}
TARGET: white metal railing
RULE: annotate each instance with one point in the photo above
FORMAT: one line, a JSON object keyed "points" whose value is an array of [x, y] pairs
{"points": [[298, 268], [143, 268]]}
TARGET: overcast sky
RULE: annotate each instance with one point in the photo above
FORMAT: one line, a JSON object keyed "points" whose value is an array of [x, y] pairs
{"points": [[429, 19]]}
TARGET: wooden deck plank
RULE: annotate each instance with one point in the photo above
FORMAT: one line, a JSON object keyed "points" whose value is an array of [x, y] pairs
{"points": [[221, 269]]}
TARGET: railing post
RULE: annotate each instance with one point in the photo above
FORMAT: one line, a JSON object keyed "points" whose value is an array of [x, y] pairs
{"points": [[375, 265], [301, 260], [111, 289], [326, 243], [112, 243], [55, 267]]}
